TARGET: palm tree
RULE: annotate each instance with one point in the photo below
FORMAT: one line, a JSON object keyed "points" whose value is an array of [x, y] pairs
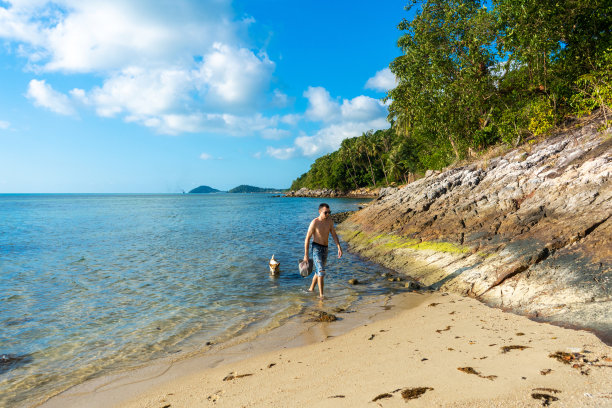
{"points": [[364, 148]]}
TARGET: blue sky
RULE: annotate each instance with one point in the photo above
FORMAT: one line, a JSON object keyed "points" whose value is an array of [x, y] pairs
{"points": [[142, 96]]}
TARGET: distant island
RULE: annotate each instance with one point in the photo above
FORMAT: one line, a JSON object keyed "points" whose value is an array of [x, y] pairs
{"points": [[204, 190], [252, 189]]}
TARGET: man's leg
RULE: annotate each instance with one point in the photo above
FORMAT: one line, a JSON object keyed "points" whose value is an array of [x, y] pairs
{"points": [[323, 263], [314, 281], [320, 280]]}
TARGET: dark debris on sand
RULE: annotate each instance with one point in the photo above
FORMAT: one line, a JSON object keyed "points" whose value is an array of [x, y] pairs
{"points": [[546, 398], [414, 393], [324, 317], [382, 396], [471, 370], [233, 376], [506, 349]]}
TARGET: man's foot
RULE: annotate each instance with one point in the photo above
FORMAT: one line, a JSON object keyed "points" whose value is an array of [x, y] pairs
{"points": [[310, 290], [321, 297]]}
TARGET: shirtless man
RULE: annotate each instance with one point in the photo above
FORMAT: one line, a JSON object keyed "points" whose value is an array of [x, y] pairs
{"points": [[319, 230]]}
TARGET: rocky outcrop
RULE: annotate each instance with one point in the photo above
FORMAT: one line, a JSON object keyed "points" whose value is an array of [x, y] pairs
{"points": [[365, 192], [341, 216], [530, 231]]}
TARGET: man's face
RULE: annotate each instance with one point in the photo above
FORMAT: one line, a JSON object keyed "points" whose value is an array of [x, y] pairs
{"points": [[325, 212]]}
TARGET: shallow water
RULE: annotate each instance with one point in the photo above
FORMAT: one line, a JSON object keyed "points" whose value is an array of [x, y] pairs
{"points": [[97, 283]]}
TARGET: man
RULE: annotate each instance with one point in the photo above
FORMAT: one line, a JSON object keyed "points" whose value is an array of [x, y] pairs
{"points": [[319, 230]]}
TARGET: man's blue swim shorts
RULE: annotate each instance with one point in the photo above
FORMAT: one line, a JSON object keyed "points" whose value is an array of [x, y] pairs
{"points": [[319, 255]]}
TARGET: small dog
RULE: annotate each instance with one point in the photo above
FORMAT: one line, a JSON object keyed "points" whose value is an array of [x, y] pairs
{"points": [[274, 264]]}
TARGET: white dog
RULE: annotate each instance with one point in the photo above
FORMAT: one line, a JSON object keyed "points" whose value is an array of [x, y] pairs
{"points": [[274, 264]]}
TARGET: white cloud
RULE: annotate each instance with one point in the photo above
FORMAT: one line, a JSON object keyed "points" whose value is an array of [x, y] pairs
{"points": [[140, 92], [383, 80], [4, 124], [172, 66], [234, 76], [291, 119], [42, 94], [329, 138], [282, 153], [205, 156], [100, 35], [279, 99], [274, 133], [343, 120], [362, 109], [321, 107]]}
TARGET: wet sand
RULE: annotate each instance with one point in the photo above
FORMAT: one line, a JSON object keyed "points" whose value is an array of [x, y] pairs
{"points": [[427, 350]]}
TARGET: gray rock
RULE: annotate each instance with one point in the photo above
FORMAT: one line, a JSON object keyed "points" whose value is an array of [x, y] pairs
{"points": [[529, 231]]}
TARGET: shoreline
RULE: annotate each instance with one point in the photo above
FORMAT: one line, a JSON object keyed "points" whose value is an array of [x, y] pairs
{"points": [[458, 351], [463, 352], [295, 332]]}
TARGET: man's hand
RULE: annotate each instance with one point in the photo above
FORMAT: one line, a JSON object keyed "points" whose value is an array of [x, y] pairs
{"points": [[339, 252], [306, 257]]}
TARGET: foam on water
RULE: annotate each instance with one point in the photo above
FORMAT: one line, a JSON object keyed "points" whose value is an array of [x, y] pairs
{"points": [[96, 283]]}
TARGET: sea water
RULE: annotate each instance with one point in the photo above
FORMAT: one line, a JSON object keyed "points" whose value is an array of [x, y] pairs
{"points": [[92, 284]]}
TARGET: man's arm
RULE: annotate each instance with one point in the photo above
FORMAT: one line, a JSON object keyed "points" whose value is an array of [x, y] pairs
{"points": [[307, 241], [336, 240]]}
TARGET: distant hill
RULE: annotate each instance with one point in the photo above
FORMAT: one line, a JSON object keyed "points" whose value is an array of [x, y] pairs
{"points": [[251, 189], [203, 190]]}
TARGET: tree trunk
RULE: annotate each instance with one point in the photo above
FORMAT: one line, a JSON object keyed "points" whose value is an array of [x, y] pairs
{"points": [[371, 169], [452, 142], [383, 169], [348, 170]]}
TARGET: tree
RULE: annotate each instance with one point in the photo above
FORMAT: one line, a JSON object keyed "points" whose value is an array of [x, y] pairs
{"points": [[445, 87]]}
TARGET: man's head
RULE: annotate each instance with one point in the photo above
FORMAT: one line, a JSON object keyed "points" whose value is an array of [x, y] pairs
{"points": [[324, 210]]}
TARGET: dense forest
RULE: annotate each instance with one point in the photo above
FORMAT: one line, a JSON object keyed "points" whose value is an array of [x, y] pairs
{"points": [[477, 73]]}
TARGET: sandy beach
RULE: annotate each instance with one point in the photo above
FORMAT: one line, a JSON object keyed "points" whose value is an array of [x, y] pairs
{"points": [[435, 350]]}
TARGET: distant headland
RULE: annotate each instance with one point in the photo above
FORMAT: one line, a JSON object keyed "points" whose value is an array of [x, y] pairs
{"points": [[204, 190], [243, 188]]}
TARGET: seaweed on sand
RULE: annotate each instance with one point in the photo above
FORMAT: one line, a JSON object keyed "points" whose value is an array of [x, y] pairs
{"points": [[546, 398], [413, 393], [324, 317], [506, 349], [470, 370], [381, 396]]}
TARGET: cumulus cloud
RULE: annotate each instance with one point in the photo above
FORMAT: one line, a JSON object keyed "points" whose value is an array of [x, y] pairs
{"points": [[321, 107], [279, 99], [282, 153], [172, 66], [383, 80], [343, 120], [275, 133], [4, 124], [101, 35], [43, 95], [205, 156], [234, 76]]}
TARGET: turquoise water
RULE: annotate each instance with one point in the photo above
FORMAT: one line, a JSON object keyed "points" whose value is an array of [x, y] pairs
{"points": [[96, 283]]}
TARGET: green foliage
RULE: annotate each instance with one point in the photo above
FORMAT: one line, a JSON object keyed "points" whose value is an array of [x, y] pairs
{"points": [[243, 188], [374, 158], [473, 73], [541, 116], [594, 89], [471, 76]]}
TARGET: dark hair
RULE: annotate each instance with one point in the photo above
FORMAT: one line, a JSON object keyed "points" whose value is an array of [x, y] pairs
{"points": [[323, 205]]}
